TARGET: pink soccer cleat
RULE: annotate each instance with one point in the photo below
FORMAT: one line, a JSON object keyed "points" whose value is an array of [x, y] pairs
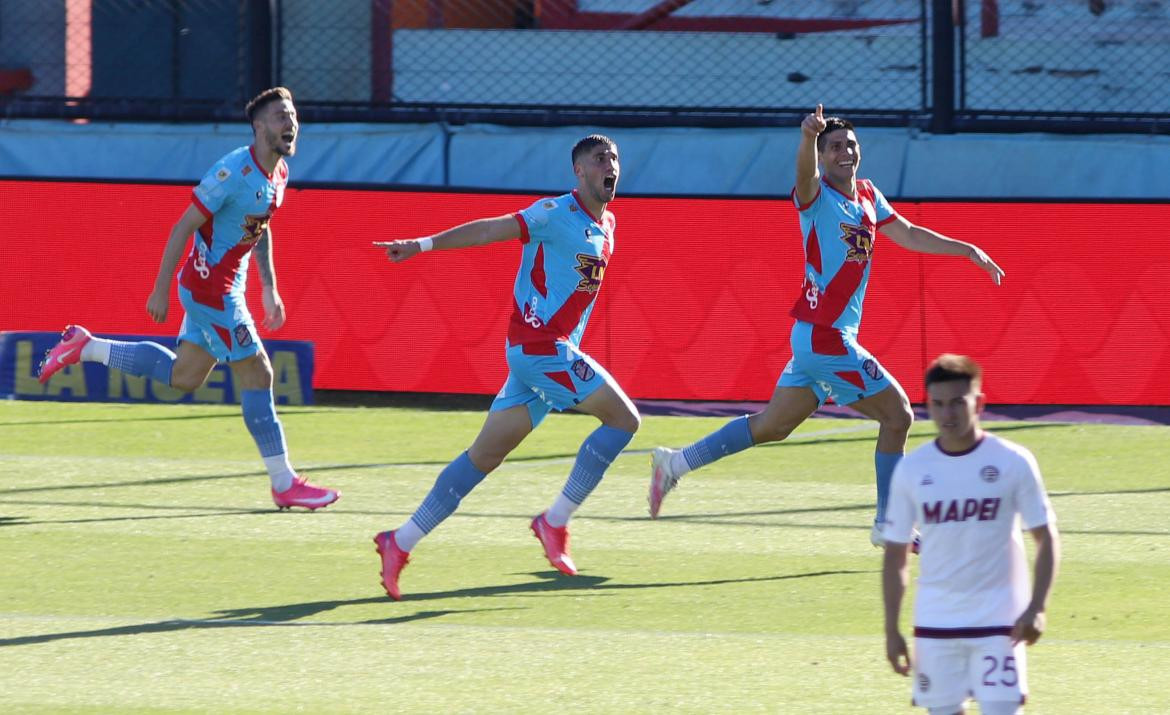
{"points": [[301, 493], [67, 351], [556, 544], [394, 560], [662, 479]]}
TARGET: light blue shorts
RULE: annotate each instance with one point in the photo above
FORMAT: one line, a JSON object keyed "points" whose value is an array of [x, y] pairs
{"points": [[228, 333], [833, 364], [549, 382]]}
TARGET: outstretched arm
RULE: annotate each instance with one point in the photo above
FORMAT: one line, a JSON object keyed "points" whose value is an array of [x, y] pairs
{"points": [[158, 303], [807, 173], [474, 233], [895, 576], [1030, 625], [923, 240]]}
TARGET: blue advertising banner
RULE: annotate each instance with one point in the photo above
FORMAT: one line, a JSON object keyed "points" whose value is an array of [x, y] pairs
{"points": [[20, 353]]}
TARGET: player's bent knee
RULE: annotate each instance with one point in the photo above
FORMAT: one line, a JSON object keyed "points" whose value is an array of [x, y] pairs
{"points": [[186, 383]]}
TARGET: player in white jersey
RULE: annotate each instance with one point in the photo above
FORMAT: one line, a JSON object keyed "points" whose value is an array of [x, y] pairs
{"points": [[567, 242], [968, 493]]}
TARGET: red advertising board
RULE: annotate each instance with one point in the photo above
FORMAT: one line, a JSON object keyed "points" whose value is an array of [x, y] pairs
{"points": [[694, 306]]}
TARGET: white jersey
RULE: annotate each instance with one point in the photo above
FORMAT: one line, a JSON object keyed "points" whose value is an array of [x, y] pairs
{"points": [[973, 572]]}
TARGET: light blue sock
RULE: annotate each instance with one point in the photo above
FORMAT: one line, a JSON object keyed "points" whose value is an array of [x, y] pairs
{"points": [[260, 416], [145, 358], [596, 454], [884, 463], [455, 482], [735, 436]]}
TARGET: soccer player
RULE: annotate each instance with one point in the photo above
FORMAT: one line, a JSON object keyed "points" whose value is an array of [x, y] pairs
{"points": [[968, 492], [230, 210], [839, 219], [567, 243]]}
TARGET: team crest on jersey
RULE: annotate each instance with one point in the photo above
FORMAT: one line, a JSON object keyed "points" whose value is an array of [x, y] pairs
{"points": [[860, 242], [592, 270], [254, 227], [572, 208], [243, 335], [223, 173], [582, 370], [989, 473], [871, 368], [246, 170]]}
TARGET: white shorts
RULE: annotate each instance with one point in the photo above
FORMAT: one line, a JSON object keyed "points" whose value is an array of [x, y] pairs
{"points": [[949, 670]]}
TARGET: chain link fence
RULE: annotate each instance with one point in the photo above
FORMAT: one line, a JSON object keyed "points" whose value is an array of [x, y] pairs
{"points": [[1050, 62]]}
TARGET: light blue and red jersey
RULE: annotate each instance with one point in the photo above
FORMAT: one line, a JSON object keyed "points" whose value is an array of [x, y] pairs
{"points": [[839, 235], [566, 250], [238, 198]]}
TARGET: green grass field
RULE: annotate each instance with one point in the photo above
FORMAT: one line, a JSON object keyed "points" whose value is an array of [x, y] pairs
{"points": [[143, 568]]}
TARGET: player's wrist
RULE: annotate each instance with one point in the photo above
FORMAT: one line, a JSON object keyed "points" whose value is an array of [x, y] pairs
{"points": [[426, 244]]}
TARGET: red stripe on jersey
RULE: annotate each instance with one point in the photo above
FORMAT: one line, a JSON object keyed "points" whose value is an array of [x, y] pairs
{"points": [[538, 276], [524, 235], [549, 348], [853, 378], [577, 198], [224, 335], [252, 151], [812, 250], [827, 341], [800, 206], [562, 378], [831, 302], [199, 205]]}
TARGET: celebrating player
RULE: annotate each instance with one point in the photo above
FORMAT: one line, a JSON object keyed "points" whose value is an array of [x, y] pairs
{"points": [[839, 218], [967, 492], [567, 242], [230, 209]]}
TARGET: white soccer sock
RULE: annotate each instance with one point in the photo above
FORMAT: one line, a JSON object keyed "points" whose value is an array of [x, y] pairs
{"points": [[678, 464], [96, 350], [558, 514], [408, 535], [280, 472]]}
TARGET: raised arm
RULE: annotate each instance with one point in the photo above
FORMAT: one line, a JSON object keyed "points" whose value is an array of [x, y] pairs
{"points": [[1030, 625], [924, 240], [808, 174], [473, 233], [158, 303]]}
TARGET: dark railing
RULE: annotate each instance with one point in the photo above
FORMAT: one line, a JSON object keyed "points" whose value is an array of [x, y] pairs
{"points": [[940, 65]]}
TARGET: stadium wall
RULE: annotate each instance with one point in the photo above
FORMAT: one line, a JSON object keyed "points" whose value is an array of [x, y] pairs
{"points": [[667, 161], [694, 307]]}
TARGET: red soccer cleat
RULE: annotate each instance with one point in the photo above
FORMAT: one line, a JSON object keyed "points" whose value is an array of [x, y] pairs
{"points": [[394, 560], [67, 351], [303, 494], [556, 544]]}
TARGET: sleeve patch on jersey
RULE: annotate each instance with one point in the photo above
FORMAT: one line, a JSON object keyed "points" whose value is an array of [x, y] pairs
{"points": [[223, 173], [549, 205]]}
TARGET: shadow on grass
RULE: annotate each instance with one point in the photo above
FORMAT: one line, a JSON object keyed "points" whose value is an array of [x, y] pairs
{"points": [[289, 615], [204, 624]]}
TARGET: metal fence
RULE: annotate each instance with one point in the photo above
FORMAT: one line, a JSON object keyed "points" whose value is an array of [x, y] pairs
{"points": [[1072, 65]]}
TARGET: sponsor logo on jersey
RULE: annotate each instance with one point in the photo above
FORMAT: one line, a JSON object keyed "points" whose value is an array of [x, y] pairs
{"points": [[927, 480], [923, 683], [254, 227], [582, 370], [940, 512], [243, 335], [531, 317], [871, 368], [860, 242], [223, 173], [592, 270], [990, 473]]}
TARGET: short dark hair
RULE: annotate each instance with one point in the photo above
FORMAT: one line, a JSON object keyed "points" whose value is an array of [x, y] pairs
{"points": [[832, 124], [584, 145], [949, 367], [262, 100]]}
